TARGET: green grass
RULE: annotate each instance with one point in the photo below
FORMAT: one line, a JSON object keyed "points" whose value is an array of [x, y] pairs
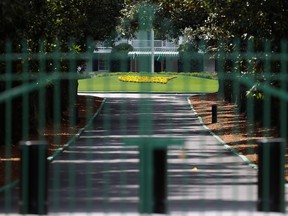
{"points": [[185, 82]]}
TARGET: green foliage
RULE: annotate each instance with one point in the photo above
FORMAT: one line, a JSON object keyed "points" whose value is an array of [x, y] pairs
{"points": [[120, 60], [187, 47], [206, 75], [255, 92], [246, 20], [123, 47], [190, 59], [39, 28], [76, 48], [259, 19], [183, 14], [144, 15], [55, 20], [12, 21], [211, 21], [100, 17]]}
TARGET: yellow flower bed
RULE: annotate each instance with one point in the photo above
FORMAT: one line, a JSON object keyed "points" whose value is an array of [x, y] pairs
{"points": [[145, 79]]}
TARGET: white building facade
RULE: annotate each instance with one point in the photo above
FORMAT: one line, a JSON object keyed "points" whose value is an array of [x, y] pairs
{"points": [[149, 56], [165, 55]]}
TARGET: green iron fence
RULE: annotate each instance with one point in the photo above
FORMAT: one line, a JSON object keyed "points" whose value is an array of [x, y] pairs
{"points": [[117, 162]]}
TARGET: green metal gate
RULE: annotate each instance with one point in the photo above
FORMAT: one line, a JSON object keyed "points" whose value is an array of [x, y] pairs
{"points": [[144, 150]]}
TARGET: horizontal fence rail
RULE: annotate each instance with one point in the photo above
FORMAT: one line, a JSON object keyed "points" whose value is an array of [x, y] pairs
{"points": [[104, 115]]}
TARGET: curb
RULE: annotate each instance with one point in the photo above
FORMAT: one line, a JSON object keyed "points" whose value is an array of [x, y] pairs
{"points": [[143, 92], [8, 186], [76, 136], [245, 159], [60, 150]]}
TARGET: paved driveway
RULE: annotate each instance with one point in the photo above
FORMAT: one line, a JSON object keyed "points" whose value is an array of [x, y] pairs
{"points": [[98, 174]]}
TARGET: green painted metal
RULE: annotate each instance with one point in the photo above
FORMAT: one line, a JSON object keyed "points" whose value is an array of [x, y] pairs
{"points": [[36, 85], [147, 147], [40, 82]]}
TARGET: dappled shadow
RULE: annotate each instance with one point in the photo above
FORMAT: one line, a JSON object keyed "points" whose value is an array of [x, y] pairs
{"points": [[218, 205], [99, 174]]}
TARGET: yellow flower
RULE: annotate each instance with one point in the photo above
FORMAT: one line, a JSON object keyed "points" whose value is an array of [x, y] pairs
{"points": [[145, 79]]}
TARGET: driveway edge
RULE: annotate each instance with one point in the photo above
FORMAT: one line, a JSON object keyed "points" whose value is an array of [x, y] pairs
{"points": [[245, 159], [77, 135]]}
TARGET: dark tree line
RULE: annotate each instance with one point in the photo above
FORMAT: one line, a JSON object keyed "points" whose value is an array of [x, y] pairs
{"points": [[214, 27], [41, 28]]}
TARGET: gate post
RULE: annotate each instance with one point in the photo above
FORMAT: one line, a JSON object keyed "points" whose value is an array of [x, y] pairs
{"points": [[160, 180], [75, 115], [153, 172], [33, 177], [271, 175]]}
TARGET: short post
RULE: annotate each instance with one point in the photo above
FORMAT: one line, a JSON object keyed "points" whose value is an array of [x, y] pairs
{"points": [[33, 177], [214, 113], [153, 172], [160, 183], [75, 115], [271, 175]]}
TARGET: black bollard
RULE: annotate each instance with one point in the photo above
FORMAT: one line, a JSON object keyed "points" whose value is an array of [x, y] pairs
{"points": [[33, 177], [75, 115], [214, 113], [160, 188], [271, 175]]}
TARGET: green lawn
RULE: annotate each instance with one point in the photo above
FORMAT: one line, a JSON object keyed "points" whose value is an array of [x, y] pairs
{"points": [[185, 82]]}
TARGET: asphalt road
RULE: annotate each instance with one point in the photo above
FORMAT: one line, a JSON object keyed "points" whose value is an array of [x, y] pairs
{"points": [[99, 174]]}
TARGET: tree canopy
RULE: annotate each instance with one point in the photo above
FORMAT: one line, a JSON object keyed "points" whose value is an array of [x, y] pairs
{"points": [[170, 17], [58, 20], [45, 26], [210, 20]]}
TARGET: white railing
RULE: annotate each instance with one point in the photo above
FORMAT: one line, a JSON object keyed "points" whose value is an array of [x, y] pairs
{"points": [[140, 45], [157, 44], [103, 49]]}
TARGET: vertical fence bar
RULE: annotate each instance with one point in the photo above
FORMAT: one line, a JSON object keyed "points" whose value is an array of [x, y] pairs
{"points": [[33, 177], [152, 50], [153, 172], [146, 179], [267, 102], [8, 117], [249, 102], [56, 94], [42, 91], [160, 180], [220, 66], [25, 96], [71, 94], [283, 84], [271, 175]]}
